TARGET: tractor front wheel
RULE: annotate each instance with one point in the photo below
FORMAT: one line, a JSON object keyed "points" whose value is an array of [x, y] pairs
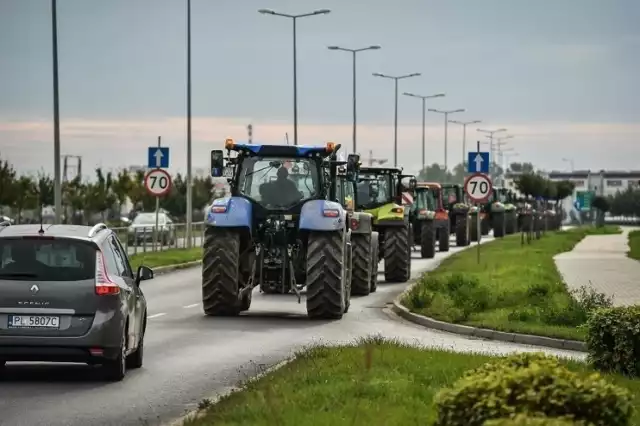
{"points": [[397, 254], [326, 296]]}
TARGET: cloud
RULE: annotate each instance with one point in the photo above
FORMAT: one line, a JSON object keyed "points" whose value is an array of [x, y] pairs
{"points": [[120, 143]]}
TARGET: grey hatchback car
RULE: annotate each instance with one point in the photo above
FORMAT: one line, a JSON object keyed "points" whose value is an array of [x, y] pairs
{"points": [[68, 294]]}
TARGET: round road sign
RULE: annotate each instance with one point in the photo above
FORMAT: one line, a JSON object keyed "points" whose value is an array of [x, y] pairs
{"points": [[478, 187], [157, 182]]}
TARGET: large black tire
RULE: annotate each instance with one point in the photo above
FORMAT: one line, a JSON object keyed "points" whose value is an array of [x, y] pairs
{"points": [[397, 254], [428, 240], [326, 295], [135, 359], [511, 223], [462, 230], [374, 264], [361, 273], [473, 228], [443, 238], [221, 272], [498, 224], [485, 226]]}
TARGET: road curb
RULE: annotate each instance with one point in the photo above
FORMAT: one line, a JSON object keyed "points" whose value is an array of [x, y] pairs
{"points": [[160, 270], [200, 412], [485, 333]]}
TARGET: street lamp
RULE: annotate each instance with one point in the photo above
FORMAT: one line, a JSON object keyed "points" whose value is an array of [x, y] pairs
{"points": [[446, 124], [395, 120], [353, 52], [424, 113], [464, 137], [294, 18], [491, 133], [57, 186]]}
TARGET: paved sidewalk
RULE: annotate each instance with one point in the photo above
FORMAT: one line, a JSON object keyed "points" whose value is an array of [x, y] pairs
{"points": [[601, 262]]}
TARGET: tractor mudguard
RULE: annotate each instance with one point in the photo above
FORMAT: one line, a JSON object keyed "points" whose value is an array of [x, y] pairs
{"points": [[364, 222], [319, 215], [230, 212], [390, 214], [497, 207]]}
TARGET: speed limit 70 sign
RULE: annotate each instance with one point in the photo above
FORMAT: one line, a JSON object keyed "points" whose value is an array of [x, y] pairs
{"points": [[157, 182], [478, 187]]}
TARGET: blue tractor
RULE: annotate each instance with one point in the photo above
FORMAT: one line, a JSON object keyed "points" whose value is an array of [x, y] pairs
{"points": [[280, 229]]}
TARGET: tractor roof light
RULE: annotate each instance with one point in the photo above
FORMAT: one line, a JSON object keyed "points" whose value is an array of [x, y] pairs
{"points": [[229, 143], [331, 146]]}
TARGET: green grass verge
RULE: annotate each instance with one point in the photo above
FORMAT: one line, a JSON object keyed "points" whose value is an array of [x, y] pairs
{"points": [[634, 245], [514, 288], [374, 382], [165, 257]]}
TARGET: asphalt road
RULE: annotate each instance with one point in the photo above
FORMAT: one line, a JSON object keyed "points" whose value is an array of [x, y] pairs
{"points": [[189, 356]]}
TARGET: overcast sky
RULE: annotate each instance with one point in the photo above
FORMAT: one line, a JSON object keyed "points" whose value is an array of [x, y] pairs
{"points": [[561, 75]]}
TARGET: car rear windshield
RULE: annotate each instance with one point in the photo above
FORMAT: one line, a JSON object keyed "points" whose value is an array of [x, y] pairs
{"points": [[46, 260]]}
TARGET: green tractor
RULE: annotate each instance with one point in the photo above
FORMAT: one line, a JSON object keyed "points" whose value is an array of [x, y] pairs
{"points": [[379, 192], [507, 198], [429, 219], [459, 219], [364, 240]]}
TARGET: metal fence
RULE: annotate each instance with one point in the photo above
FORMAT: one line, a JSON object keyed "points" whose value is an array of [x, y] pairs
{"points": [[144, 239]]}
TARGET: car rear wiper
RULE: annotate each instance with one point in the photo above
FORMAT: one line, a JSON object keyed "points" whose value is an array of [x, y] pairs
{"points": [[17, 275]]}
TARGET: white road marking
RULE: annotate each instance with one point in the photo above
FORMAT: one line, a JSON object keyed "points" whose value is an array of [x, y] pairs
{"points": [[156, 315], [191, 306]]}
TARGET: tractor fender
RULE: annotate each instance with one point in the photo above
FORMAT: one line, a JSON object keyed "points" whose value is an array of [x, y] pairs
{"points": [[230, 212], [319, 215], [364, 221]]}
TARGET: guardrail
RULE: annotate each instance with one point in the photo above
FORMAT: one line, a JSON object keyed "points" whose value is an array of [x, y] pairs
{"points": [[143, 239]]}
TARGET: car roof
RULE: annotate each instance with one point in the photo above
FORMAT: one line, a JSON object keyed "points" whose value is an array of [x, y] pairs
{"points": [[70, 231]]}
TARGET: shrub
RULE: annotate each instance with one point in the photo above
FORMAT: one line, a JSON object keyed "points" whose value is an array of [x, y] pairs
{"points": [[531, 383], [527, 420], [590, 300], [613, 340]]}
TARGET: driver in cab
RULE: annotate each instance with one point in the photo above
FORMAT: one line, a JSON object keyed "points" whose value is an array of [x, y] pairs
{"points": [[282, 191]]}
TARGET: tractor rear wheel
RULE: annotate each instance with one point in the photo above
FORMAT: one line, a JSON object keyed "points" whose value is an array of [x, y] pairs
{"points": [[361, 275], [462, 230], [397, 254], [428, 240], [474, 232], [443, 238], [221, 272], [498, 224], [326, 296], [374, 262], [510, 223]]}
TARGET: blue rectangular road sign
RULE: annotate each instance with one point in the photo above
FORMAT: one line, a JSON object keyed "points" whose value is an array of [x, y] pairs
{"points": [[478, 162], [158, 157]]}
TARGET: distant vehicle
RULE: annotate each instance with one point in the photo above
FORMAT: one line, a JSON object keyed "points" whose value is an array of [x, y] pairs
{"points": [[68, 294], [143, 226]]}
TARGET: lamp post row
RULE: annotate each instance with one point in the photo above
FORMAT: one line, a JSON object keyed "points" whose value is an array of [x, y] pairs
{"points": [[294, 18]]}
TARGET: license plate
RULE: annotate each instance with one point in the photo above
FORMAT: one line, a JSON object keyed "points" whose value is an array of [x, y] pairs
{"points": [[33, 321]]}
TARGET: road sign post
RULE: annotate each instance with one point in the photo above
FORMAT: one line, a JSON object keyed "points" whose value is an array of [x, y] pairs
{"points": [[157, 181], [478, 185]]}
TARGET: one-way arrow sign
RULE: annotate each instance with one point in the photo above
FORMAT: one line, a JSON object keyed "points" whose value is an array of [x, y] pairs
{"points": [[478, 162], [158, 157]]}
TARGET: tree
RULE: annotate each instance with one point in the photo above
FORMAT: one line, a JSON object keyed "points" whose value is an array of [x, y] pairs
{"points": [[531, 184], [7, 184], [26, 195], [45, 190], [564, 189], [176, 201], [522, 167], [121, 187], [138, 194]]}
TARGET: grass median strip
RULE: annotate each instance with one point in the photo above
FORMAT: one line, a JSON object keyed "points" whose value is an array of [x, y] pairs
{"points": [[373, 382], [165, 257], [514, 288], [634, 245]]}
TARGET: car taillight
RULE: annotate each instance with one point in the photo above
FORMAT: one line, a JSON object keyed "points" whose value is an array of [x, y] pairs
{"points": [[355, 223], [219, 209], [104, 285], [330, 213]]}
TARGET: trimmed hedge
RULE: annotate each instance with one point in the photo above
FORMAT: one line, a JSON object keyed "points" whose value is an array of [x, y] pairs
{"points": [[531, 383], [525, 420], [613, 340]]}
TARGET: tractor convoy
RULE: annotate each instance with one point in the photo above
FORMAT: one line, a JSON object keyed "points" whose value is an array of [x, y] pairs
{"points": [[298, 219]]}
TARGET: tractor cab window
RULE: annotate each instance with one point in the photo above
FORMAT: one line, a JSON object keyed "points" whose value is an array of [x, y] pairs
{"points": [[425, 199], [278, 182], [502, 196], [449, 195], [374, 190]]}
